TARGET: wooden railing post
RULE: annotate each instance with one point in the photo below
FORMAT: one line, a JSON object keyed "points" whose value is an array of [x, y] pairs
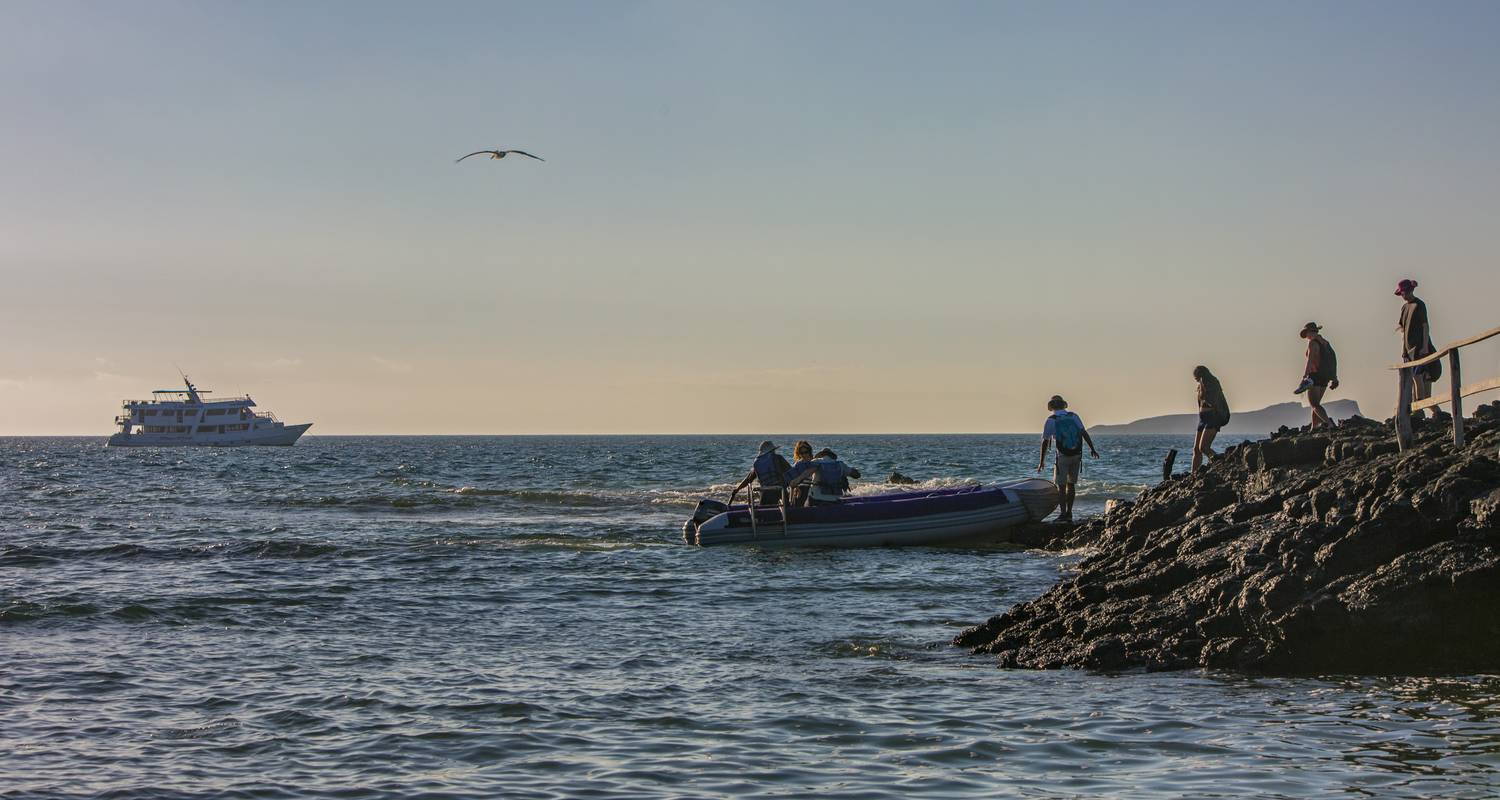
{"points": [[1456, 392], [1403, 408]]}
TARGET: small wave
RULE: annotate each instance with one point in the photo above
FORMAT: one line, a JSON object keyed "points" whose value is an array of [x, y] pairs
{"points": [[437, 498], [549, 497], [878, 648], [420, 484], [25, 611], [205, 731], [688, 497], [1109, 489], [117, 551], [27, 556], [371, 502], [40, 555], [21, 611], [134, 612], [555, 542], [280, 548], [291, 718], [862, 489]]}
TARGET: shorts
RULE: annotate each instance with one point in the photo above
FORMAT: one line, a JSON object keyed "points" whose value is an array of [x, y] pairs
{"points": [[1065, 469], [1208, 420]]}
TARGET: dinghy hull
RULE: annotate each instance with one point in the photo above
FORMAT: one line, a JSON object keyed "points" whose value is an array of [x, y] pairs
{"points": [[905, 518]]}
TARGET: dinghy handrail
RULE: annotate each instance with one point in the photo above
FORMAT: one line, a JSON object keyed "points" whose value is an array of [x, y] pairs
{"points": [[754, 510]]}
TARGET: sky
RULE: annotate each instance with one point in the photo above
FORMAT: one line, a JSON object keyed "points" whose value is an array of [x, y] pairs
{"points": [[753, 217]]}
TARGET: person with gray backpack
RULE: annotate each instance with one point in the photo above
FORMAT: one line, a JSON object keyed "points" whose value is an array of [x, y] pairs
{"points": [[1066, 429], [1416, 341]]}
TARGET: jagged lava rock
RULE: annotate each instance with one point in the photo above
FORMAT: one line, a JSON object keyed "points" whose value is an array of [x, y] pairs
{"points": [[1309, 552]]}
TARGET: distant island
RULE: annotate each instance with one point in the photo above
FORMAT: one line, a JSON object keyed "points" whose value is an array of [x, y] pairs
{"points": [[1241, 423]]}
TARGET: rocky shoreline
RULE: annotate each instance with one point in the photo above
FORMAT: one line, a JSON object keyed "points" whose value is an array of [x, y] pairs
{"points": [[1309, 552]]}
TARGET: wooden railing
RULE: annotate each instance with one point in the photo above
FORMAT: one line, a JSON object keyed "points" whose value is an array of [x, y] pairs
{"points": [[1456, 390]]}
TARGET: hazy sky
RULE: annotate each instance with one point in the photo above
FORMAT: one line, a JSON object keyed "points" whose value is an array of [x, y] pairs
{"points": [[821, 217]]}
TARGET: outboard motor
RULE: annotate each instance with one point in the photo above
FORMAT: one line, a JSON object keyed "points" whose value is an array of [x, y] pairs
{"points": [[706, 510]]}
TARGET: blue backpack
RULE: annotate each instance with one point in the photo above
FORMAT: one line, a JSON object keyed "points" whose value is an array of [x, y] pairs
{"points": [[1068, 431]]}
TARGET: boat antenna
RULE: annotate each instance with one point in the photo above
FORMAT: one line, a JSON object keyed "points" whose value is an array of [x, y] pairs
{"points": [[192, 391]]}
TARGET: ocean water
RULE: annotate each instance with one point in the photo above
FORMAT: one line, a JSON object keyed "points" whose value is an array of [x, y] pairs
{"points": [[478, 617]]}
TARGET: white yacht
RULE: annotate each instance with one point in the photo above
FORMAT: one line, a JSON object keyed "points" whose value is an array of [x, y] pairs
{"points": [[182, 418]]}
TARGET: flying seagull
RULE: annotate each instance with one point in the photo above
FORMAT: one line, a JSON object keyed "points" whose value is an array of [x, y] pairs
{"points": [[496, 154]]}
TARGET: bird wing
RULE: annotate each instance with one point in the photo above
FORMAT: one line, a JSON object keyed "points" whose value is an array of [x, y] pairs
{"points": [[524, 153], [478, 153]]}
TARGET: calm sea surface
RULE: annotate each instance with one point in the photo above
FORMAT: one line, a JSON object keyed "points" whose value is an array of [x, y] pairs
{"points": [[495, 616]]}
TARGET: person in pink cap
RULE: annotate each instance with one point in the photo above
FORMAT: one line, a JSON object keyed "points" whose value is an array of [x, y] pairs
{"points": [[1416, 339]]}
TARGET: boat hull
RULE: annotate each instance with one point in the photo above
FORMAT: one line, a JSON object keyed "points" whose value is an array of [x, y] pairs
{"points": [[905, 518], [284, 436]]}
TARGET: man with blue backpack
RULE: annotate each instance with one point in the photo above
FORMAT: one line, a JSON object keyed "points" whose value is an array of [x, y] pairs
{"points": [[1066, 429]]}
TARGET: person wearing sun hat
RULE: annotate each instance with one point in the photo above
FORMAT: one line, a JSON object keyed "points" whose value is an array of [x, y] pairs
{"points": [[1321, 373], [770, 470], [1416, 339]]}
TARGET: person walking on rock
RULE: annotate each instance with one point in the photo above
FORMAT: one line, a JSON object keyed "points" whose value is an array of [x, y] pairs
{"points": [[1416, 340], [1066, 429], [1321, 374], [1213, 413]]}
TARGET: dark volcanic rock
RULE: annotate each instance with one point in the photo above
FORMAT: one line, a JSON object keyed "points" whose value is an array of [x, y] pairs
{"points": [[1051, 535], [1324, 551], [900, 480]]}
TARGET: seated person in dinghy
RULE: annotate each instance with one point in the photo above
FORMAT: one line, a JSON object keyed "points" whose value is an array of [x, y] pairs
{"points": [[802, 456], [769, 470], [828, 476]]}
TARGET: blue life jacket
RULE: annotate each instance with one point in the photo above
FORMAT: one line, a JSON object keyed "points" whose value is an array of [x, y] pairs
{"points": [[1068, 431], [830, 477], [767, 471]]}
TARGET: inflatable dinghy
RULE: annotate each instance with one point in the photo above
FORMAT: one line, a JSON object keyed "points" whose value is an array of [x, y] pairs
{"points": [[900, 518]]}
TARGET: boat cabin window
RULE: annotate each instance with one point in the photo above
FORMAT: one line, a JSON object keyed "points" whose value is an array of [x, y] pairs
{"points": [[216, 412]]}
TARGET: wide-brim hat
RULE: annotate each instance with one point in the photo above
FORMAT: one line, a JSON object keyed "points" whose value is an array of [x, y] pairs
{"points": [[767, 447], [1311, 327], [826, 452]]}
